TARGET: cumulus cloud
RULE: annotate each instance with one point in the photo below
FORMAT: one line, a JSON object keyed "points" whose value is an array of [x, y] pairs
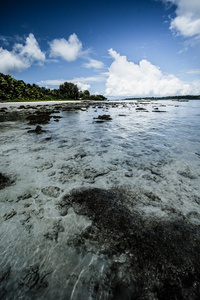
{"points": [[93, 63], [69, 50], [126, 78], [82, 86], [57, 82], [187, 20], [22, 56], [81, 82], [31, 49], [10, 61]]}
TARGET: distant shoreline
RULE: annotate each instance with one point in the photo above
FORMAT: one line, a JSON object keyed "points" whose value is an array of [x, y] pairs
{"points": [[187, 97], [53, 102]]}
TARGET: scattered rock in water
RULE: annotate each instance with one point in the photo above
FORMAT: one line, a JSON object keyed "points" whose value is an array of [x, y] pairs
{"points": [[141, 109], [24, 197], [5, 274], [91, 174], [128, 174], [159, 111], [54, 232], [9, 215], [32, 279], [52, 191], [102, 118], [22, 107], [187, 173], [160, 258], [99, 121], [44, 166], [81, 153], [26, 219], [4, 181], [39, 118], [56, 117], [37, 130], [3, 109], [193, 214]]}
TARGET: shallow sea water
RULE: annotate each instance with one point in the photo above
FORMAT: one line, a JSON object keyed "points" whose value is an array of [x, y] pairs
{"points": [[156, 153]]}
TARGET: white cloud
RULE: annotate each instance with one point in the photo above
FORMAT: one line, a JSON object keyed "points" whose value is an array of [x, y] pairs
{"points": [[22, 56], [81, 82], [31, 49], [187, 21], [10, 61], [196, 71], [53, 82], [89, 79], [57, 82], [69, 50], [4, 40], [82, 86], [186, 25], [144, 79], [93, 63]]}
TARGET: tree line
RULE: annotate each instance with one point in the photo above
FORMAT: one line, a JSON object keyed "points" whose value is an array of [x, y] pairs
{"points": [[12, 89]]}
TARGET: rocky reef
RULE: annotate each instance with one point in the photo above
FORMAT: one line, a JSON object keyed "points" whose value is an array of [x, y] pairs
{"points": [[4, 181], [99, 201], [154, 259]]}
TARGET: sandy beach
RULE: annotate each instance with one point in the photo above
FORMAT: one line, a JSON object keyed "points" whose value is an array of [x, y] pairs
{"points": [[35, 103]]}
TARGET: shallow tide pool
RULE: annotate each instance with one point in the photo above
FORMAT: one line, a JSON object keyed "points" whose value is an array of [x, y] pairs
{"points": [[141, 170]]}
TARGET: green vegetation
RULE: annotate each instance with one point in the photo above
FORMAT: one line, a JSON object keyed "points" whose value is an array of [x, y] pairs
{"points": [[17, 90], [86, 96]]}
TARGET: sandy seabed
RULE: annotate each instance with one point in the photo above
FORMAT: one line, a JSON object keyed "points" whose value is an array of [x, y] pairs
{"points": [[100, 200]]}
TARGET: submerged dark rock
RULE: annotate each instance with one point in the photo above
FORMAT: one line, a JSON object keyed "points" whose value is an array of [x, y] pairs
{"points": [[52, 191], [32, 279], [54, 232], [187, 173], [103, 118], [4, 275], [158, 111], [153, 259], [11, 115], [4, 181], [39, 117], [38, 130], [57, 117], [141, 109], [9, 215]]}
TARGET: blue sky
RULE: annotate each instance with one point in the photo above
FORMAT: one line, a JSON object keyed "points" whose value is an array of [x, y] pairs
{"points": [[116, 48]]}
